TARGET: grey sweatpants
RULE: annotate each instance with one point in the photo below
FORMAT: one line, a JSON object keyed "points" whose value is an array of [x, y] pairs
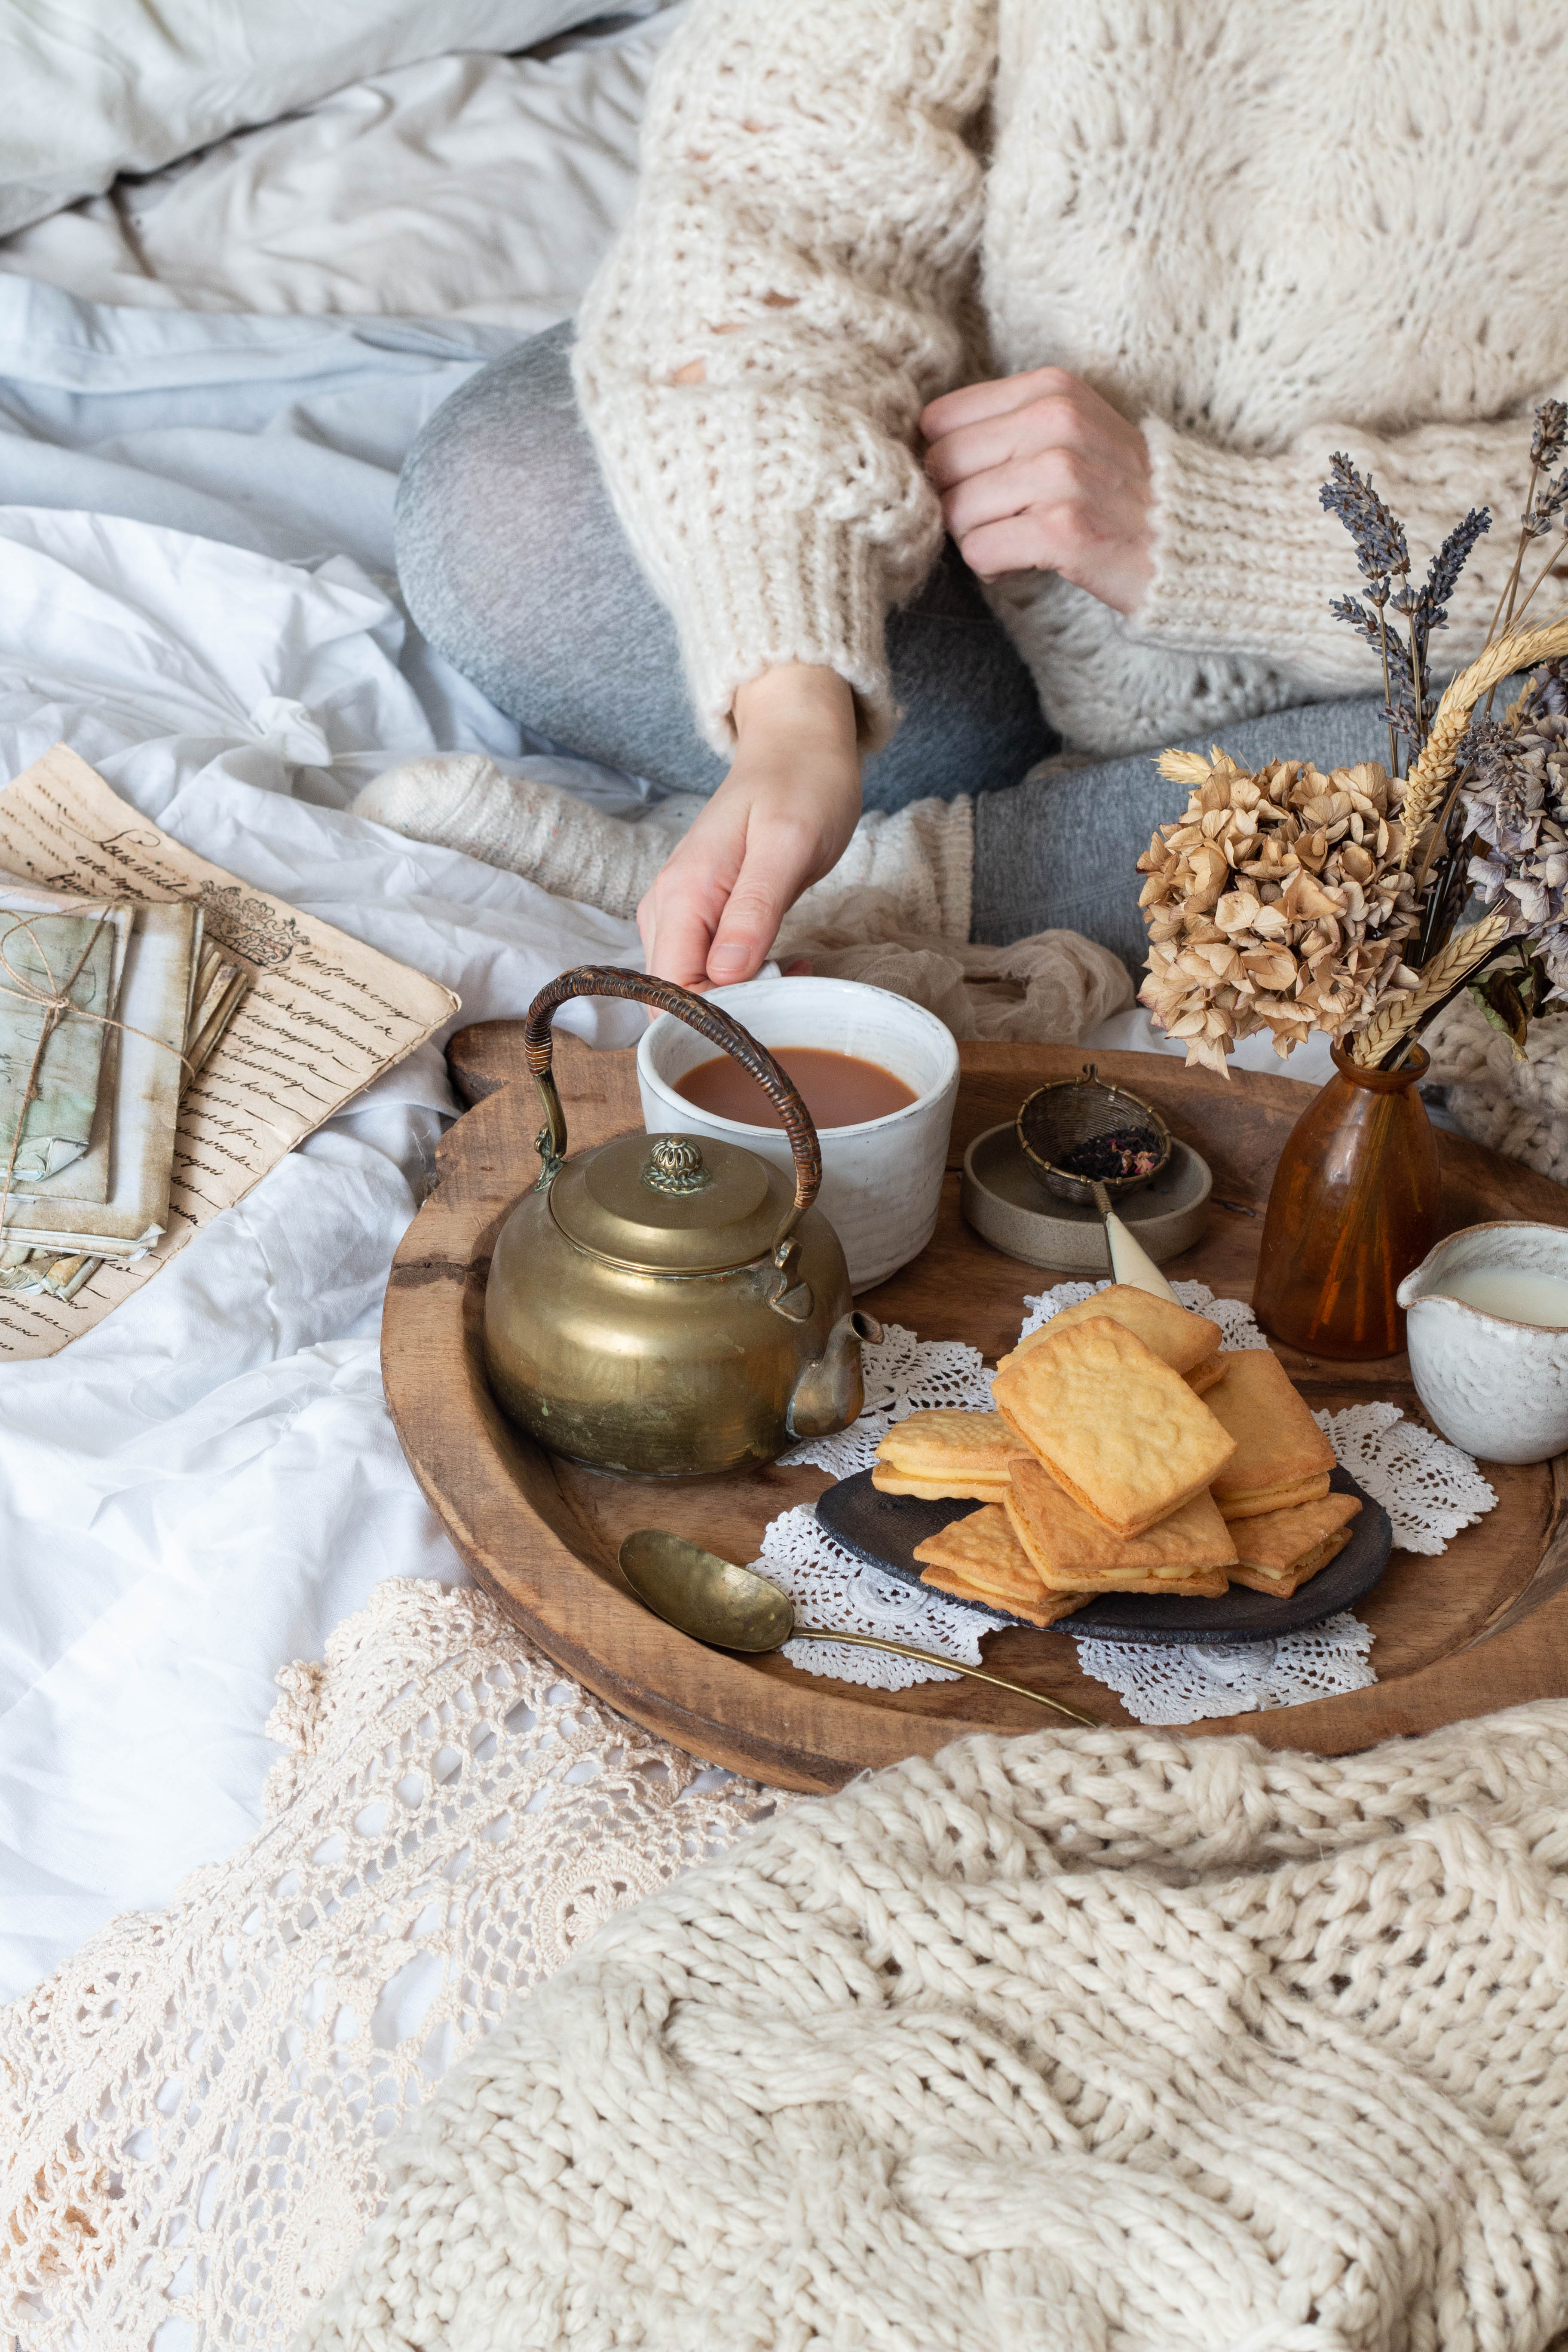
{"points": [[513, 564]]}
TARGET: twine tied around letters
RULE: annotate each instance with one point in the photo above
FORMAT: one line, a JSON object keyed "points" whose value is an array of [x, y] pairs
{"points": [[56, 1004]]}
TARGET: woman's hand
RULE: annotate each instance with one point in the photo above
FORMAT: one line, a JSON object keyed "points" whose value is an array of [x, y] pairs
{"points": [[1037, 473], [780, 821]]}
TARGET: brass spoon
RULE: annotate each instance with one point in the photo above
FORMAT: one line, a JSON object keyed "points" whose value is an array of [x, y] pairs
{"points": [[732, 1608]]}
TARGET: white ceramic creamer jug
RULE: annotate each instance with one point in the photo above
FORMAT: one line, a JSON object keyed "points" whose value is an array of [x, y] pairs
{"points": [[1494, 1382]]}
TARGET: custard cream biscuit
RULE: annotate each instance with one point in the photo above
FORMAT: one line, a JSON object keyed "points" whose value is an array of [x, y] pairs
{"points": [[980, 1558], [1278, 1551], [1179, 1337], [1241, 1508], [1189, 1552], [1281, 1457], [946, 1453], [1114, 1425]]}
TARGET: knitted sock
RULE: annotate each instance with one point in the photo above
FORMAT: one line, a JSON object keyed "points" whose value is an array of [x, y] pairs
{"points": [[923, 856], [463, 801]]}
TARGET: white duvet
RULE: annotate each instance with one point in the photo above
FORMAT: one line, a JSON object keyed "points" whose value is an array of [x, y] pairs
{"points": [[195, 593], [194, 1493], [473, 185]]}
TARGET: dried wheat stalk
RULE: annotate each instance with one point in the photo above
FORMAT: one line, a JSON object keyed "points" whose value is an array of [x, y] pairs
{"points": [[1400, 1015], [1186, 767], [1427, 781]]}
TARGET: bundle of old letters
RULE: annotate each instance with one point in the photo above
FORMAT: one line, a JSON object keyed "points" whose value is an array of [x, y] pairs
{"points": [[149, 1006], [107, 1011]]}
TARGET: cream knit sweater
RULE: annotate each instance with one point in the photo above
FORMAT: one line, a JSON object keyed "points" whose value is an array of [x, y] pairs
{"points": [[1265, 231]]}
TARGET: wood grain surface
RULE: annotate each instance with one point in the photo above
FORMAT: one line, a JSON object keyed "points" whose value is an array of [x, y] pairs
{"points": [[1484, 1625]]}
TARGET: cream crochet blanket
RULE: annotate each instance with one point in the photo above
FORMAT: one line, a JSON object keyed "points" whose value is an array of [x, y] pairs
{"points": [[1263, 232], [1106, 2043]]}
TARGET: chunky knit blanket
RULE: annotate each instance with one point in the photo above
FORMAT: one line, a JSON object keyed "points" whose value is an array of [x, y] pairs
{"points": [[1110, 2042]]}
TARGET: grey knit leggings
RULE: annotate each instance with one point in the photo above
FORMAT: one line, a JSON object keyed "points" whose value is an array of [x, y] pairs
{"points": [[514, 566]]}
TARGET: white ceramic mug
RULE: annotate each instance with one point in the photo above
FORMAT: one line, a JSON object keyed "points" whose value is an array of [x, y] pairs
{"points": [[882, 1179], [1499, 1389]]}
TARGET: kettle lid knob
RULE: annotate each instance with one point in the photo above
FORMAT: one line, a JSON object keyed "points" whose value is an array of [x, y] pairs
{"points": [[676, 1165]]}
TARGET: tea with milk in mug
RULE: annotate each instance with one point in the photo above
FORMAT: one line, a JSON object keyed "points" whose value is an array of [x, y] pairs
{"points": [[838, 1089]]}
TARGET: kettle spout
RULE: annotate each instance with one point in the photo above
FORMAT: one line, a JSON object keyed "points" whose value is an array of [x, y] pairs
{"points": [[830, 1393]]}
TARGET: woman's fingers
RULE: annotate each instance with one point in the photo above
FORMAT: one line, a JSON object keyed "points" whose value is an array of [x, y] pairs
{"points": [[1055, 422], [972, 404], [783, 858], [1056, 477], [779, 820], [1038, 474], [676, 938], [680, 911]]}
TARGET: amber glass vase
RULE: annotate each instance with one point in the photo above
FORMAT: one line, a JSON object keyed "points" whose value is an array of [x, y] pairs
{"points": [[1354, 1207]]}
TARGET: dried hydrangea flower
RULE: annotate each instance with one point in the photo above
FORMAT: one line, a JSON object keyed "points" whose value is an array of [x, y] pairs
{"points": [[1274, 902]]}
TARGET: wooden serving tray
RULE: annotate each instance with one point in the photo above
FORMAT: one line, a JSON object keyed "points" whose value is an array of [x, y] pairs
{"points": [[1482, 1626]]}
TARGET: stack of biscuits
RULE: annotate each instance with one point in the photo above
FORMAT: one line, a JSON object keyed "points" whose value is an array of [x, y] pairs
{"points": [[1127, 1452]]}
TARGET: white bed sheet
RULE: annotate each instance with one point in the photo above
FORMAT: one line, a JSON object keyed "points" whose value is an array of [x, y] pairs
{"points": [[468, 186], [195, 593], [193, 1493]]}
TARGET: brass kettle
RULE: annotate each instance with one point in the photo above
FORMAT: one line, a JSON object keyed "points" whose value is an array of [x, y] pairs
{"points": [[665, 1307]]}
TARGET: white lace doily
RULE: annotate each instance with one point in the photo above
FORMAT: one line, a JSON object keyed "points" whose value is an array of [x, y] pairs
{"points": [[830, 1587], [904, 1375], [1429, 1489], [1181, 1682]]}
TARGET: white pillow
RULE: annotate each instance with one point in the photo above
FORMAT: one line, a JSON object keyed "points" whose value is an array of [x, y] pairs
{"points": [[94, 88]]}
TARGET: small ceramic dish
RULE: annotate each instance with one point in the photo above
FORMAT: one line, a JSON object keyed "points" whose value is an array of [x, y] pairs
{"points": [[1002, 1199], [885, 1529], [1057, 1120]]}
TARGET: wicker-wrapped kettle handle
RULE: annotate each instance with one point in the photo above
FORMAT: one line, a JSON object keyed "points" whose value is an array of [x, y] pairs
{"points": [[710, 1021]]}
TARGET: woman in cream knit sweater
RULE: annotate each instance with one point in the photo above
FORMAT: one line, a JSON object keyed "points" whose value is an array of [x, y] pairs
{"points": [[1096, 285]]}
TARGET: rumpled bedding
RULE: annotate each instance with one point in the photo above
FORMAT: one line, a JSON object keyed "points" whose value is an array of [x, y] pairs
{"points": [[193, 1493], [466, 186], [196, 475]]}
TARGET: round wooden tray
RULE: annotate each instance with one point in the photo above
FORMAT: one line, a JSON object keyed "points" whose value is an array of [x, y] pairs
{"points": [[1482, 1626]]}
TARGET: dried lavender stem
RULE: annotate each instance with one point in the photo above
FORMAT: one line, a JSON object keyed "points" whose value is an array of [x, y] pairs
{"points": [[1550, 565], [1510, 584], [1387, 692], [1513, 580]]}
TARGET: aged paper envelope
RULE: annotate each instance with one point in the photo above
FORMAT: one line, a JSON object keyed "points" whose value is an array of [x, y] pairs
{"points": [[321, 1017], [86, 1178], [46, 952], [154, 1008]]}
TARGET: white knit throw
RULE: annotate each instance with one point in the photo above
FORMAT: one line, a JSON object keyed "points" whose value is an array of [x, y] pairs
{"points": [[1078, 2042], [1518, 1107]]}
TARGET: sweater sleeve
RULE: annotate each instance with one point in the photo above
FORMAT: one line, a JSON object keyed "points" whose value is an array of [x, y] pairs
{"points": [[1245, 561], [792, 287]]}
